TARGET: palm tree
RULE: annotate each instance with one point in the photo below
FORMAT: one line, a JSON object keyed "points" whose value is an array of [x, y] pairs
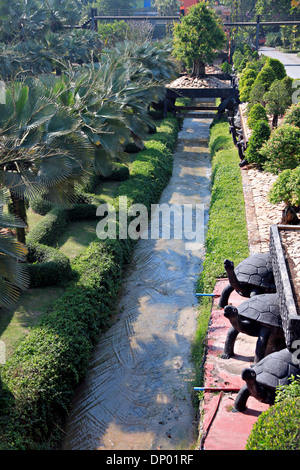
{"points": [[42, 148], [14, 276]]}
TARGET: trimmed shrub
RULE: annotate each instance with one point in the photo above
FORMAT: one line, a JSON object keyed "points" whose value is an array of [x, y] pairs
{"points": [[226, 67], [261, 133], [81, 212], [245, 89], [278, 68], [40, 206], [47, 266], [266, 76], [257, 113], [282, 150], [40, 378], [49, 228], [256, 95], [119, 173], [277, 428], [286, 188], [277, 100], [292, 115]]}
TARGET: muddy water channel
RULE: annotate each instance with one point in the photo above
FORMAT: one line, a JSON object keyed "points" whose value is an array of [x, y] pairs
{"points": [[137, 393]]}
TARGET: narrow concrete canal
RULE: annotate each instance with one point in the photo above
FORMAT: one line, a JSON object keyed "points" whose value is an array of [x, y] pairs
{"points": [[137, 394]]}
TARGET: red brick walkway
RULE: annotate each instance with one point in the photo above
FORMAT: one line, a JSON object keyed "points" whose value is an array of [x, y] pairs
{"points": [[223, 429]]}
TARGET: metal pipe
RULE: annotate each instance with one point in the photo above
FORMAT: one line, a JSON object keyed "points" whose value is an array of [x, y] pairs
{"points": [[217, 389]]}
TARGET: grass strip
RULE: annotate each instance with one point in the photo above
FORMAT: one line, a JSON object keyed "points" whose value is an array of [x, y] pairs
{"points": [[226, 235]]}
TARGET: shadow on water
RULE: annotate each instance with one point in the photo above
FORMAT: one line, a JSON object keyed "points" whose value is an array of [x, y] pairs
{"points": [[137, 393]]}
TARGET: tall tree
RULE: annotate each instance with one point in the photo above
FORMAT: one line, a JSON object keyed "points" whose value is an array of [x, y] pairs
{"points": [[42, 148], [198, 37], [167, 7]]}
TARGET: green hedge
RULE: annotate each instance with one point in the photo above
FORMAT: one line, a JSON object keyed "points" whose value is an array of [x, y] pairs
{"points": [[227, 235], [277, 428], [39, 380], [49, 229], [47, 265]]}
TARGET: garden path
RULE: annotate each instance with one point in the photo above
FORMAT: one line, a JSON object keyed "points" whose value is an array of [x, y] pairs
{"points": [[137, 394]]}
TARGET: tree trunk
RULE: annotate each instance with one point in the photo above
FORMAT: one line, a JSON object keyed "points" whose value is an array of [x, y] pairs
{"points": [[289, 216], [198, 69], [19, 210], [275, 121]]}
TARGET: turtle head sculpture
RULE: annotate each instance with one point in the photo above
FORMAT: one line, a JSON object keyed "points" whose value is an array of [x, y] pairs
{"points": [[252, 276]]}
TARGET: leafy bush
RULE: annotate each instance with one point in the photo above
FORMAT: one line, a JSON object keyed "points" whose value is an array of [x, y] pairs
{"points": [[292, 115], [49, 228], [245, 89], [248, 72], [40, 378], [256, 95], [282, 150], [47, 266], [278, 68], [226, 67], [257, 113], [119, 173], [277, 100], [277, 428], [261, 133], [273, 39], [266, 76], [286, 188]]}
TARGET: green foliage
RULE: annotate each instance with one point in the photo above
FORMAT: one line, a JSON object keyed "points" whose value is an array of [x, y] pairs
{"points": [[273, 39], [266, 76], [47, 231], [286, 188], [277, 67], [291, 390], [41, 206], [260, 134], [167, 7], [256, 95], [292, 115], [245, 89], [226, 67], [120, 172], [40, 378], [247, 73], [47, 266], [282, 150], [277, 99], [277, 428], [198, 35], [226, 235], [257, 113]]}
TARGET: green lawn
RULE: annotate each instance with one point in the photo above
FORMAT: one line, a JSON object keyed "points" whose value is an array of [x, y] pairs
{"points": [[227, 235], [15, 323], [77, 237]]}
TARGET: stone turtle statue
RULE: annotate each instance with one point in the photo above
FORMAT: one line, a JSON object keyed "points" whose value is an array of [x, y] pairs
{"points": [[261, 380], [260, 317], [252, 276]]}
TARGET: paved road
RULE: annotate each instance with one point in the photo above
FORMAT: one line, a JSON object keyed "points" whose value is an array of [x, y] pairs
{"points": [[290, 61]]}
